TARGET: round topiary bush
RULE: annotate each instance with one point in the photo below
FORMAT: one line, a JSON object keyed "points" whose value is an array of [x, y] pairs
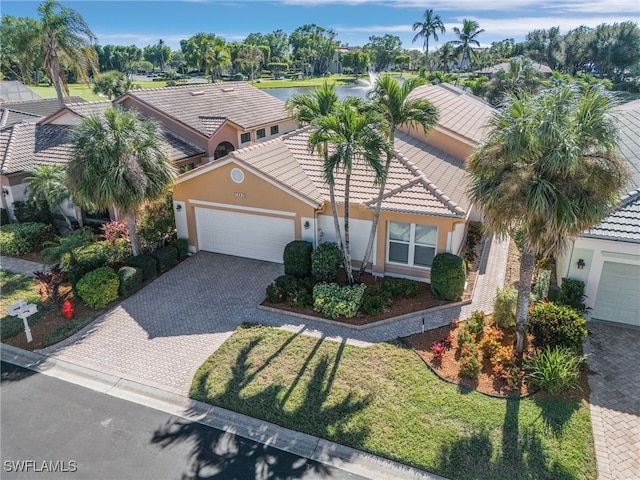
{"points": [[448, 276], [555, 325], [99, 287], [325, 262], [297, 258]]}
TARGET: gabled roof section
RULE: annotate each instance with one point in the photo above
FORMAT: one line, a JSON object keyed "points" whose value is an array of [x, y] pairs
{"points": [[10, 117], [201, 106], [461, 114], [628, 116], [23, 146], [41, 107], [623, 225], [86, 109]]}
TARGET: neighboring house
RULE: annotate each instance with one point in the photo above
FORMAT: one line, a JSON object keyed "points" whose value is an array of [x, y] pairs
{"points": [[218, 117], [30, 110], [257, 199], [24, 146], [607, 257]]}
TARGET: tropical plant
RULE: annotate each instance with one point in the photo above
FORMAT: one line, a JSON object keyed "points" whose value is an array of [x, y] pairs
{"points": [[118, 161], [112, 84], [467, 39], [557, 325], [50, 182], [353, 136], [430, 27], [555, 369], [216, 59], [250, 57], [548, 169], [395, 106], [55, 252], [68, 42]]}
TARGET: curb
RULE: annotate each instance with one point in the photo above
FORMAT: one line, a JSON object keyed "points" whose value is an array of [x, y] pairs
{"points": [[297, 443]]}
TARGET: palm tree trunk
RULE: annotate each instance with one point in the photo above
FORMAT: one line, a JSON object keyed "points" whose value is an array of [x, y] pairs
{"points": [[527, 266], [55, 73], [130, 218], [334, 207], [347, 252], [66, 219]]}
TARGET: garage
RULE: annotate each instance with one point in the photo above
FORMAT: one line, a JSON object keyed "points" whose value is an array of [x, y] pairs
{"points": [[618, 297], [244, 235]]}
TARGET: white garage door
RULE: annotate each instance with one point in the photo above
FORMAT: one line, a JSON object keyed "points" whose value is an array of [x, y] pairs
{"points": [[242, 234], [618, 298]]}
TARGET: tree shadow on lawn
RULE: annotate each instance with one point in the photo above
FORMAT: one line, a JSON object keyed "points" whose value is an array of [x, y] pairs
{"points": [[523, 453], [217, 454]]}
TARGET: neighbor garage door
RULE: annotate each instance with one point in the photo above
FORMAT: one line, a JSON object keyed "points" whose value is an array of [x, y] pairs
{"points": [[244, 235], [618, 298]]}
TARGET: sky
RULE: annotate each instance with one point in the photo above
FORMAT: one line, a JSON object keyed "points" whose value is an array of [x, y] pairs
{"points": [[144, 22]]}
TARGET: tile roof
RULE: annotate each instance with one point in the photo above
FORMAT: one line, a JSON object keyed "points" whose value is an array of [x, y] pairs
{"points": [[622, 225], [85, 109], [202, 106], [628, 115], [461, 113], [42, 107], [289, 161], [9, 117]]}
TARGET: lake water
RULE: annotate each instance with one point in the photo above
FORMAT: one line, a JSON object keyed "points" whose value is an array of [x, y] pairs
{"points": [[343, 91]]}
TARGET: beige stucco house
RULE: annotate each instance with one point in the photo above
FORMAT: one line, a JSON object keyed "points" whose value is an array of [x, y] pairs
{"points": [[255, 200]]}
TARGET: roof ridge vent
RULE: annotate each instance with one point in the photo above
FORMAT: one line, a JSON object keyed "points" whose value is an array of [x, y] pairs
{"points": [[197, 93], [227, 89]]}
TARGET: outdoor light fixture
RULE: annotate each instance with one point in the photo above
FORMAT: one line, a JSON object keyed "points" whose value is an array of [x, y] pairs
{"points": [[581, 263], [306, 224], [5, 192], [178, 207]]}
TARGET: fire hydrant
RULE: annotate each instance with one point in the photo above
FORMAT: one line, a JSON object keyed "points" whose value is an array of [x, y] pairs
{"points": [[67, 310]]}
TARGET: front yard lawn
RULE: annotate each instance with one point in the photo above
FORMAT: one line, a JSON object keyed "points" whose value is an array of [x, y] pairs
{"points": [[384, 400]]}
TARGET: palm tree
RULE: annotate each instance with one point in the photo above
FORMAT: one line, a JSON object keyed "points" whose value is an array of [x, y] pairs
{"points": [[68, 43], [467, 37], [354, 135], [305, 108], [118, 161], [549, 171], [216, 59], [429, 28], [252, 56], [446, 54], [49, 181], [391, 101]]}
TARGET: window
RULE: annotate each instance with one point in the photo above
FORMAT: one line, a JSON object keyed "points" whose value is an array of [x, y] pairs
{"points": [[245, 137], [274, 130], [412, 244], [260, 134]]}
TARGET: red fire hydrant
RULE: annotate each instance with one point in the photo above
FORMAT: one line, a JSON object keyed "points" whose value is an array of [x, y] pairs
{"points": [[67, 310]]}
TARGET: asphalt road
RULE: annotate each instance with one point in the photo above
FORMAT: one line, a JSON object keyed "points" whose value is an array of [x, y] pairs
{"points": [[52, 429]]}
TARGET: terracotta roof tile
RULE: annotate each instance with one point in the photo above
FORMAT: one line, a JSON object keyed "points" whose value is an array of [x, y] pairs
{"points": [[196, 105], [622, 225], [42, 107], [628, 116]]}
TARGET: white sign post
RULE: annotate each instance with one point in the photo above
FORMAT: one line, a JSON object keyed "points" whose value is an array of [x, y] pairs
{"points": [[24, 310]]}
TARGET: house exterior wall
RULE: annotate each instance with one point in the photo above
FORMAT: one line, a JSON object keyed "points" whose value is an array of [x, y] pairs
{"points": [[594, 253], [445, 141]]}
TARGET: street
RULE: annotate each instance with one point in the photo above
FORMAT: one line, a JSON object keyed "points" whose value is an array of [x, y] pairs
{"points": [[54, 429]]}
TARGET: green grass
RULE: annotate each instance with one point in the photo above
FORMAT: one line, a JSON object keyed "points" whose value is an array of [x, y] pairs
{"points": [[76, 90], [384, 400], [14, 287]]}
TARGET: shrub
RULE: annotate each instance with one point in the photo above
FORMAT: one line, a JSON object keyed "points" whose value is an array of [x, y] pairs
{"points": [[130, 280], [84, 260], [541, 287], [475, 324], [557, 325], [4, 216], [333, 301], [99, 287], [474, 235], [572, 294], [182, 244], [166, 257], [25, 212], [399, 287], [17, 239], [438, 349], [325, 262], [283, 289], [470, 365], [47, 235], [146, 263], [448, 275], [490, 343], [117, 252], [555, 369], [504, 307], [297, 258], [375, 302]]}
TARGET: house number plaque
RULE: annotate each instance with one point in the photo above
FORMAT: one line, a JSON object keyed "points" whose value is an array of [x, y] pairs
{"points": [[239, 194]]}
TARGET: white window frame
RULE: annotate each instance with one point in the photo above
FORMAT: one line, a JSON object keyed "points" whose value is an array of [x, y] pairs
{"points": [[411, 243]]}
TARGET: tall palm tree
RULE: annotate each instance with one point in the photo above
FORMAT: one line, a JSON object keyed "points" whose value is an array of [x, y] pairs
{"points": [[549, 170], [118, 161], [446, 55], [305, 108], [68, 43], [216, 59], [391, 101], [354, 135], [50, 182], [430, 27], [467, 38]]}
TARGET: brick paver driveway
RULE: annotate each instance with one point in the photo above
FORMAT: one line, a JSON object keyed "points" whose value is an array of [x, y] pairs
{"points": [[162, 334]]}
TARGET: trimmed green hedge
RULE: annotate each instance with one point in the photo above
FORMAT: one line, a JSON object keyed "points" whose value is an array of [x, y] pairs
{"points": [[17, 239], [297, 258], [448, 275], [325, 262], [146, 263], [182, 245], [130, 280], [99, 287], [557, 325], [333, 301], [167, 257]]}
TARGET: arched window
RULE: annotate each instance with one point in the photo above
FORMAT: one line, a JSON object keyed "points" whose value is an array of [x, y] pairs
{"points": [[223, 149]]}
